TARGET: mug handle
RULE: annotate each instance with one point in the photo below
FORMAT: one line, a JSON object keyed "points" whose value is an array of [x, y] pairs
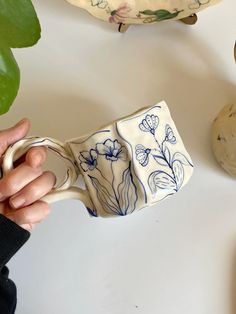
{"points": [[65, 190]]}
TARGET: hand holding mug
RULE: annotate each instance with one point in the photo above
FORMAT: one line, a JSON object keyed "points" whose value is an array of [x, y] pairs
{"points": [[22, 188]]}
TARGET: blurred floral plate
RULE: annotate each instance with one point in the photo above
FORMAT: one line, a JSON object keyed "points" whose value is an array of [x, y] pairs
{"points": [[143, 11]]}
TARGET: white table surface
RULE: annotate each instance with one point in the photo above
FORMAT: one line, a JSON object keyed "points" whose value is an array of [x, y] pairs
{"points": [[178, 257]]}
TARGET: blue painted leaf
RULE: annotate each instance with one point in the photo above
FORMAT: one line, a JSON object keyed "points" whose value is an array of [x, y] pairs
{"points": [[167, 154], [127, 192], [161, 180], [107, 201], [183, 159], [92, 212], [160, 160], [178, 170]]}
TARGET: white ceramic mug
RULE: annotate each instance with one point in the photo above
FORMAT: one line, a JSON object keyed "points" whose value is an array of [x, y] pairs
{"points": [[133, 163]]}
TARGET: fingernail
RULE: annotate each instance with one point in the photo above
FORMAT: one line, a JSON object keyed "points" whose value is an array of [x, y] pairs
{"points": [[37, 160], [17, 202]]}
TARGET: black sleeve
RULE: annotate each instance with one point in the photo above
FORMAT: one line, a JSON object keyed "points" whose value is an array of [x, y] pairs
{"points": [[12, 237]]}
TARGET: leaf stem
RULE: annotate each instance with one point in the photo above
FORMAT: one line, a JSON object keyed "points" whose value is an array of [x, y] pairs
{"points": [[162, 152], [113, 188], [103, 175]]}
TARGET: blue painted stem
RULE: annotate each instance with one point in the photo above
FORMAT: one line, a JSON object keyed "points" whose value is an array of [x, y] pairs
{"points": [[162, 152], [113, 188], [103, 176]]}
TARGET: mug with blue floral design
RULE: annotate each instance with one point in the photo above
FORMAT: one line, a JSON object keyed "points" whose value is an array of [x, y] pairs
{"points": [[131, 164]]}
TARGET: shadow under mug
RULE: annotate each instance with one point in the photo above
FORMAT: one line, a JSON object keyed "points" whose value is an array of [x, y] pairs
{"points": [[128, 165]]}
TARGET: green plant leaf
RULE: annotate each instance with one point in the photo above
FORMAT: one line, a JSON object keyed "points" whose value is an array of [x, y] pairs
{"points": [[9, 78], [19, 25]]}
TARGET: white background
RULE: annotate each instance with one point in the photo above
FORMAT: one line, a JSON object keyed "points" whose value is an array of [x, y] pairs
{"points": [[178, 257]]}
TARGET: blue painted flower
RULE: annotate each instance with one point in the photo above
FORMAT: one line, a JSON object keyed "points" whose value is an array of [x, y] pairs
{"points": [[170, 135], [112, 150], [88, 160], [142, 154], [149, 124]]}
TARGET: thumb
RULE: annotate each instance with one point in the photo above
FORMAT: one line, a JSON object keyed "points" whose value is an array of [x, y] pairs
{"points": [[13, 134]]}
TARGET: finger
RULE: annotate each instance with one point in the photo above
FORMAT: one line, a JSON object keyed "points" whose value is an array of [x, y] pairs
{"points": [[32, 158], [36, 156], [19, 161], [31, 214], [13, 134], [17, 179], [28, 171], [34, 190], [28, 227]]}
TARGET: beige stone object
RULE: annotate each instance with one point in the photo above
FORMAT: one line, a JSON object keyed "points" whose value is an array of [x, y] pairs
{"points": [[224, 139]]}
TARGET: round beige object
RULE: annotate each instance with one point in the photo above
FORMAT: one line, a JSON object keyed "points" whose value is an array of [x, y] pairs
{"points": [[142, 11], [224, 139]]}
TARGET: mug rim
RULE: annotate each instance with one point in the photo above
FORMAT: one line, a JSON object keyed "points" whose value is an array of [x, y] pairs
{"points": [[81, 139]]}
